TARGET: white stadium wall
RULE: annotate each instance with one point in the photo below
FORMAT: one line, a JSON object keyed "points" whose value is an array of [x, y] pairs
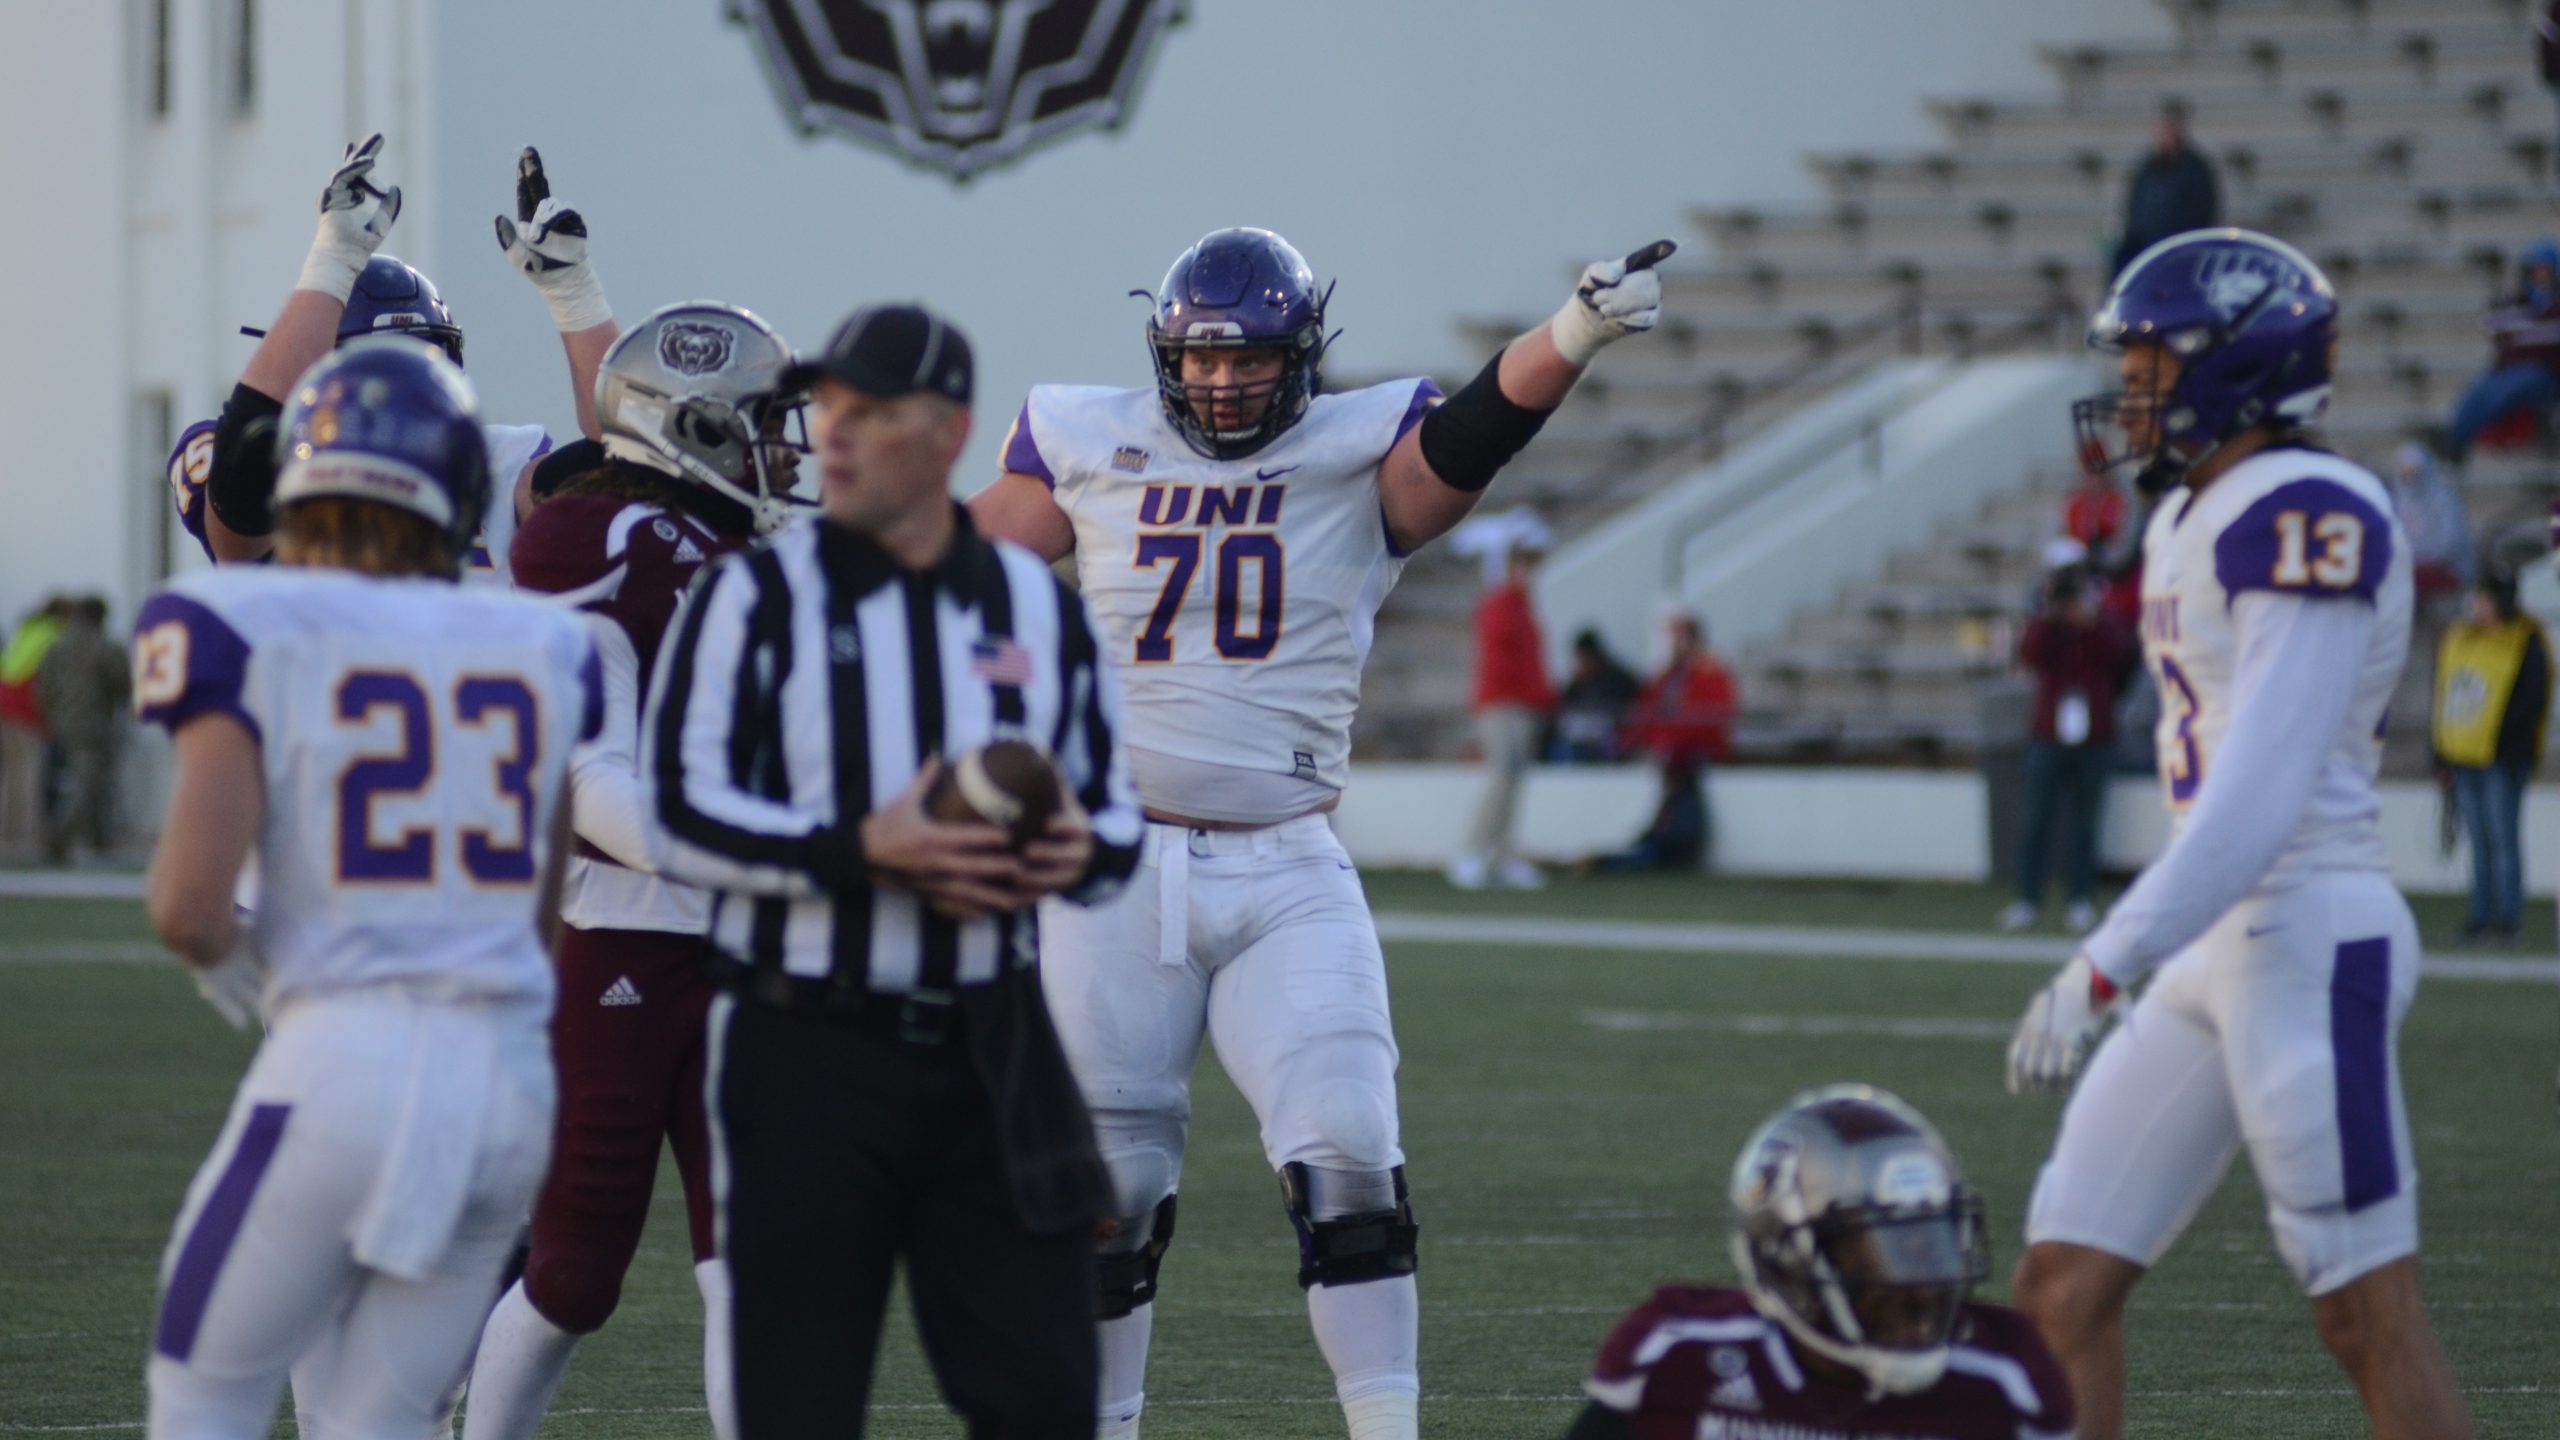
{"points": [[1877, 824]]}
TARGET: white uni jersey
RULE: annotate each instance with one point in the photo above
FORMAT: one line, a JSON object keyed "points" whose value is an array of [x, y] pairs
{"points": [[412, 736], [1238, 597], [2290, 521]]}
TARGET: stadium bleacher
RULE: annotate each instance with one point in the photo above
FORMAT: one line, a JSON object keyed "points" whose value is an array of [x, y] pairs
{"points": [[2405, 144]]}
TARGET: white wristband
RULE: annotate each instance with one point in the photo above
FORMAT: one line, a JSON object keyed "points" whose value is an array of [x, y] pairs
{"points": [[1578, 333], [332, 266], [576, 298]]}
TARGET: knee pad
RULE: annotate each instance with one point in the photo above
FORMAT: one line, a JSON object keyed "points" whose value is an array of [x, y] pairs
{"points": [[1353, 1226], [574, 1293], [1124, 1273]]}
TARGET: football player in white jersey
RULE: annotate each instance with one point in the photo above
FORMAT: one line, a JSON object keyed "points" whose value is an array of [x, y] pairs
{"points": [[2275, 616], [219, 473], [392, 751], [1235, 529]]}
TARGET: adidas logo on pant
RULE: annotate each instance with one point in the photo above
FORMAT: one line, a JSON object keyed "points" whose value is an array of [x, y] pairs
{"points": [[621, 992]]}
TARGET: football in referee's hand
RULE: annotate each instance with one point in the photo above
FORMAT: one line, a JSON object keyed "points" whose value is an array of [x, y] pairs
{"points": [[1008, 783]]}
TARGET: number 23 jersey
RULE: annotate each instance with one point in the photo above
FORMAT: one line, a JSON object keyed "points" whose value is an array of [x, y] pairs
{"points": [[412, 736], [1237, 597], [2295, 522]]}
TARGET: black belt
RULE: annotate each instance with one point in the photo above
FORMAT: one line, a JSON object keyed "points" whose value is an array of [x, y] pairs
{"points": [[919, 1017]]}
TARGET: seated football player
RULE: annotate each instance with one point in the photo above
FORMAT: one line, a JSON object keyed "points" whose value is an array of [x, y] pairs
{"points": [[1859, 1245], [693, 465], [221, 472]]}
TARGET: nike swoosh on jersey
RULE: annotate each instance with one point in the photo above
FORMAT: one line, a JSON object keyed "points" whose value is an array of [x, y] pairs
{"points": [[1260, 474]]}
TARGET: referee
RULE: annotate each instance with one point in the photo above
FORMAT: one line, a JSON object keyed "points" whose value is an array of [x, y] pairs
{"points": [[884, 1078]]}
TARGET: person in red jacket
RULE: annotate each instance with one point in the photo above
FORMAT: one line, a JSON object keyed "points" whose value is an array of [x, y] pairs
{"points": [[1684, 721], [1513, 702], [2078, 656]]}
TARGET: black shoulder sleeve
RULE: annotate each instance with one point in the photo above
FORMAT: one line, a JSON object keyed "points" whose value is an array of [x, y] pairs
{"points": [[243, 482], [564, 464]]}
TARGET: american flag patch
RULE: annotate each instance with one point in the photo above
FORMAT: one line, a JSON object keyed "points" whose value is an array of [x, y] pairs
{"points": [[1000, 662], [1129, 459]]}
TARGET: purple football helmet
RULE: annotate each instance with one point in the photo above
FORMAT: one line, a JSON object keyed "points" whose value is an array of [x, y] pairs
{"points": [[388, 419], [1239, 289], [393, 298], [2254, 327]]}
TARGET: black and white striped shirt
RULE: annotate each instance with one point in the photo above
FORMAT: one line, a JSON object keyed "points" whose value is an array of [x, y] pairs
{"points": [[803, 685]]}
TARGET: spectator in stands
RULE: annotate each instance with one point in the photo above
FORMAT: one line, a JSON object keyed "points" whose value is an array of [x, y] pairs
{"points": [[23, 787], [83, 685], [2493, 697], [2078, 657], [2546, 51], [1513, 701], [2524, 338], [1598, 697], [2172, 191], [2096, 516], [1683, 720], [2442, 554]]}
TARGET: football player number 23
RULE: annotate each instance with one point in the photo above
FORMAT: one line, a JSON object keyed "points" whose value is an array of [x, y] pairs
{"points": [[1247, 560], [500, 853]]}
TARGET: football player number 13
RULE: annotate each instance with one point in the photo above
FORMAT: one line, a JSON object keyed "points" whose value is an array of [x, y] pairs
{"points": [[409, 857], [1247, 560]]}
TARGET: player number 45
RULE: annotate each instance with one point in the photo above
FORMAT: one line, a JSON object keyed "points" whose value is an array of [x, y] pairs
{"points": [[2327, 552]]}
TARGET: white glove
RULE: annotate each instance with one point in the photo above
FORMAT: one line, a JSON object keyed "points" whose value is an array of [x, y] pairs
{"points": [[232, 985], [547, 243], [355, 215], [2059, 1029], [1616, 299]]}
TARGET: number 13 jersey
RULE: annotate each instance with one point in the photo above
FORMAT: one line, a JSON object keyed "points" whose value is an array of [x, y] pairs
{"points": [[1237, 597], [2292, 522]]}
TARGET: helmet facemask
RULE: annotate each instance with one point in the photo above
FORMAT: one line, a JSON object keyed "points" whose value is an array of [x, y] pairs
{"points": [[696, 392], [1286, 397], [1877, 1289]]}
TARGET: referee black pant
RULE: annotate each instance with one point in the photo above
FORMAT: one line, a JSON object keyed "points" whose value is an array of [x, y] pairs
{"points": [[847, 1147]]}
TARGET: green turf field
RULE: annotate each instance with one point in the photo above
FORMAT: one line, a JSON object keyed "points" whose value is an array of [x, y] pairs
{"points": [[1569, 1116]]}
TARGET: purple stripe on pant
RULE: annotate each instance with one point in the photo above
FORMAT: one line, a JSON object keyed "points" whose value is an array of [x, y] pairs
{"points": [[2360, 1049], [200, 1263]]}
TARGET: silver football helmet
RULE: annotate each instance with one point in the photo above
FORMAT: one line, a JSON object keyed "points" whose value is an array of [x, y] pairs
{"points": [[696, 391], [1854, 1229]]}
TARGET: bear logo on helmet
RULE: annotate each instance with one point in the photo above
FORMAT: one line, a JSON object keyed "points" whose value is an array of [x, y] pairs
{"points": [[694, 349]]}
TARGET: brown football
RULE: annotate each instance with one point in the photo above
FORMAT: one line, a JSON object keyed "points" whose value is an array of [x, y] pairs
{"points": [[1009, 783]]}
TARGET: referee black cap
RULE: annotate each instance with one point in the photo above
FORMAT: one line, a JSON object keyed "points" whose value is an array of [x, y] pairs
{"points": [[887, 351]]}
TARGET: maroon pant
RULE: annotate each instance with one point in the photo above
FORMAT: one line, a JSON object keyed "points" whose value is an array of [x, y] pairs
{"points": [[628, 1038]]}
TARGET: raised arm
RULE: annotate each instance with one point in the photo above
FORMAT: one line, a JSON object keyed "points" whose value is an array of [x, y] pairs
{"points": [[1440, 469], [547, 244], [355, 216]]}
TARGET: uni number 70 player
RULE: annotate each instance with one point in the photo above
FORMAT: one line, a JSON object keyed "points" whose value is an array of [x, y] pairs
{"points": [[2275, 616], [1235, 529]]}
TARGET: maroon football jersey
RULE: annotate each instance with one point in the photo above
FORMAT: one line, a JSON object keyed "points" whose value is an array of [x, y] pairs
{"points": [[1702, 1364], [627, 560]]}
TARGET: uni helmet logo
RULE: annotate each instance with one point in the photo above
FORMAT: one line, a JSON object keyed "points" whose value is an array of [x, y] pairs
{"points": [[956, 85], [694, 349]]}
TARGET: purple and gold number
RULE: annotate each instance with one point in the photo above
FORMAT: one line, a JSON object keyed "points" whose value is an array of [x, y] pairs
{"points": [[1262, 549], [476, 701], [411, 858], [1155, 643], [2184, 766]]}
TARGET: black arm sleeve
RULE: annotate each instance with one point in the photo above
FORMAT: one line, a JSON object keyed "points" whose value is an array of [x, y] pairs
{"points": [[565, 464], [1469, 438], [2521, 728], [243, 483], [1599, 1422]]}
